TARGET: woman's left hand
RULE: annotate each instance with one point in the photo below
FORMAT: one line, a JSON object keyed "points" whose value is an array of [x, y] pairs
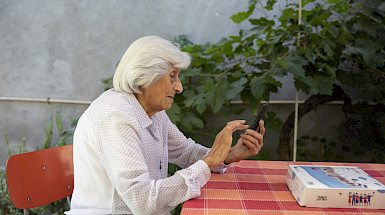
{"points": [[248, 145]]}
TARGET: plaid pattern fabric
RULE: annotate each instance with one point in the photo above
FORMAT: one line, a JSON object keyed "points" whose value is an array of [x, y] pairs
{"points": [[259, 187]]}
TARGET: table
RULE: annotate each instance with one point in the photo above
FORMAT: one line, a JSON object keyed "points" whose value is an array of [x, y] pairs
{"points": [[259, 187]]}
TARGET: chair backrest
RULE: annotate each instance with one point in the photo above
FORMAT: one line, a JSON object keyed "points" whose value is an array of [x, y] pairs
{"points": [[41, 177]]}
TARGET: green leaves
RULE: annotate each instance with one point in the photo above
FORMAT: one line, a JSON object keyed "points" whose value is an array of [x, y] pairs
{"points": [[245, 66], [321, 84], [214, 97], [293, 68], [190, 98], [174, 113], [261, 22], [48, 134], [241, 16], [270, 4], [59, 124], [191, 121], [236, 88], [257, 87], [371, 51], [288, 14]]}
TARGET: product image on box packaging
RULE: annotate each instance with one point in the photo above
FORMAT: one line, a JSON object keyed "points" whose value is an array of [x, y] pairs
{"points": [[335, 187]]}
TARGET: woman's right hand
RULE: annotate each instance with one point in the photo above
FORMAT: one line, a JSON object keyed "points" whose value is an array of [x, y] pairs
{"points": [[222, 143]]}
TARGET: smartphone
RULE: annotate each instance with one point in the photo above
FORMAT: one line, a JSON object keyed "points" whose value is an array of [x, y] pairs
{"points": [[260, 114]]}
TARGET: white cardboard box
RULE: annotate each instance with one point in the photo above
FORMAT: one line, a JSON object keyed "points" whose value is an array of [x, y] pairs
{"points": [[335, 187]]}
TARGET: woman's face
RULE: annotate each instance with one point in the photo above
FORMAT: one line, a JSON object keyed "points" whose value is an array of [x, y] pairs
{"points": [[160, 95]]}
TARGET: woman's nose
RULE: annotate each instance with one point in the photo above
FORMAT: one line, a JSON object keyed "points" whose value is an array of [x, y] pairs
{"points": [[178, 87]]}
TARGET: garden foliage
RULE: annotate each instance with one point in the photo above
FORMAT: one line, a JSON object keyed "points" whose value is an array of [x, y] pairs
{"points": [[336, 53]]}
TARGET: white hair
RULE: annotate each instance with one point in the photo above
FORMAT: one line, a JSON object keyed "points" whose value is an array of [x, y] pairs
{"points": [[145, 61]]}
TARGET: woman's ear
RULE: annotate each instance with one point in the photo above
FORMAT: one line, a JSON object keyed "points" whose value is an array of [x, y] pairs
{"points": [[141, 88]]}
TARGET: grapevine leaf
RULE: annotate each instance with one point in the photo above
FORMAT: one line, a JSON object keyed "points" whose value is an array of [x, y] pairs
{"points": [[174, 113], [257, 87]]}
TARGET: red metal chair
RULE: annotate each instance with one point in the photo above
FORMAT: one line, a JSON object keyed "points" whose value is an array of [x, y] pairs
{"points": [[41, 177]]}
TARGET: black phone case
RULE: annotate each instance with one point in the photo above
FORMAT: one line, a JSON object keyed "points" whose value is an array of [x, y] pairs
{"points": [[260, 114]]}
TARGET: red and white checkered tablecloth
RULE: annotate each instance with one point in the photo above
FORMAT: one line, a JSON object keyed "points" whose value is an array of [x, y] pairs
{"points": [[259, 187]]}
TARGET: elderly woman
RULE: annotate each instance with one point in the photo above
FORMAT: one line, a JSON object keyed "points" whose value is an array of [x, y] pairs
{"points": [[124, 140]]}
